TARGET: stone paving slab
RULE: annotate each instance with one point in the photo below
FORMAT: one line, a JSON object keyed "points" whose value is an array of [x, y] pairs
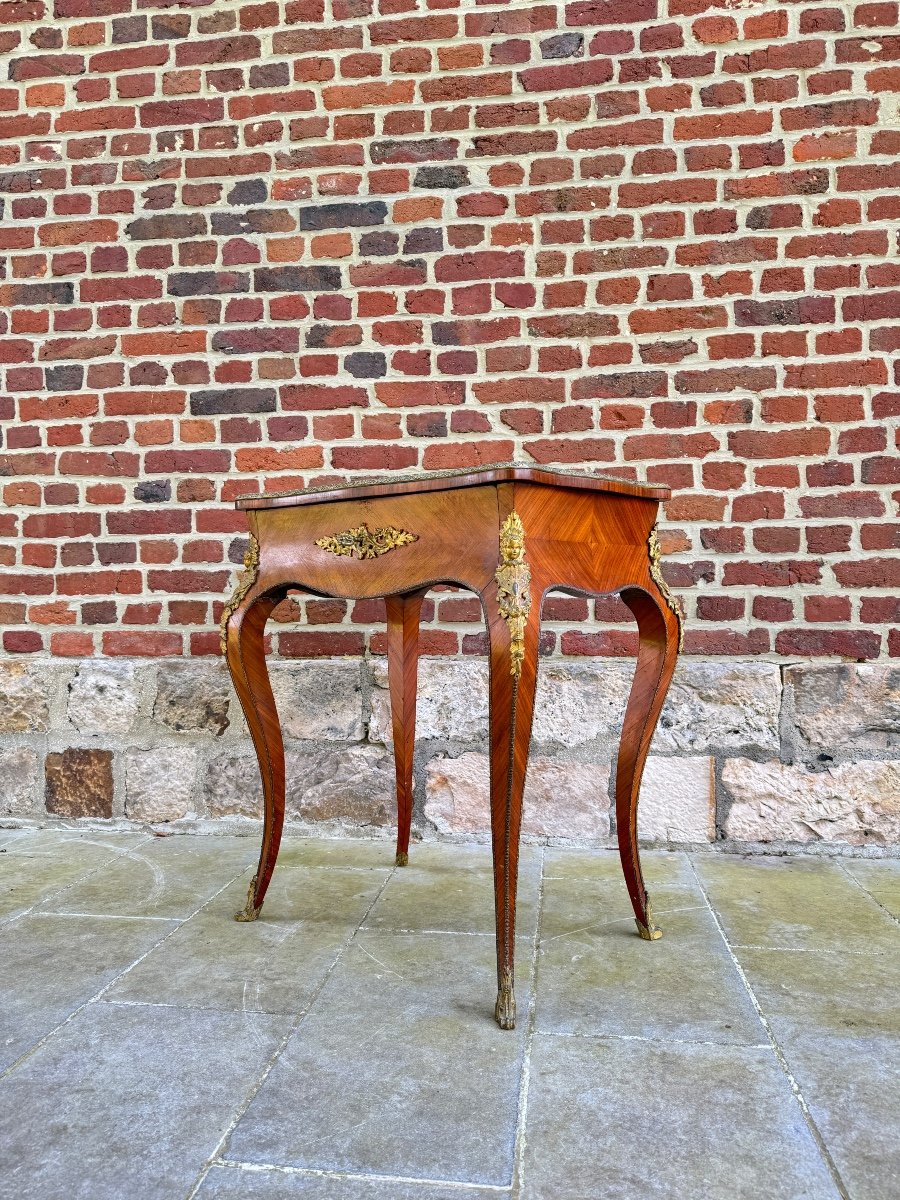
{"points": [[46, 862], [880, 879], [399, 1069], [659, 866], [852, 1087], [7, 836], [345, 853], [603, 978], [793, 903], [641, 1120], [829, 994], [274, 964], [52, 965], [128, 1101], [163, 877], [452, 888], [230, 1183], [641, 1071]]}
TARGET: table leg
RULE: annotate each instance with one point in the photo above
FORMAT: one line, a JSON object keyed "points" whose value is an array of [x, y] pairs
{"points": [[657, 654], [246, 658], [403, 657], [512, 686]]}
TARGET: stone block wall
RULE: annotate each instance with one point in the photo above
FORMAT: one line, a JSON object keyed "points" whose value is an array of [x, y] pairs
{"points": [[746, 754]]}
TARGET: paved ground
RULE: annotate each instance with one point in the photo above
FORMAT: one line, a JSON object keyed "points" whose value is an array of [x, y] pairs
{"points": [[343, 1047]]}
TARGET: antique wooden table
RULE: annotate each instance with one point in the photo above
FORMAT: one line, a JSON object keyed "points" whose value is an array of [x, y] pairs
{"points": [[511, 534]]}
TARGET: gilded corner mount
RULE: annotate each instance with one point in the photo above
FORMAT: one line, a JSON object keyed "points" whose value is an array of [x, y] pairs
{"points": [[650, 932], [363, 542], [657, 576], [251, 910], [513, 578], [505, 1008], [245, 582]]}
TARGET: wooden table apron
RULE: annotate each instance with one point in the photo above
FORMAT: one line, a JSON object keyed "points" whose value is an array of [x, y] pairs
{"points": [[509, 542]]}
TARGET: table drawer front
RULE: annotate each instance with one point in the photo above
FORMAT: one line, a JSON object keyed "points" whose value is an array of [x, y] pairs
{"points": [[380, 545]]}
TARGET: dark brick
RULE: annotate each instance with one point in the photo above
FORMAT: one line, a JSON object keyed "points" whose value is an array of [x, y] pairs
{"points": [[562, 45], [153, 491], [366, 365], [426, 424], [342, 216], [113, 553], [254, 220], [803, 310], [403, 150], [79, 783], [68, 377], [129, 29], [383, 242], [207, 283], [261, 339], [99, 612], [297, 279], [49, 179], [270, 75], [322, 337], [38, 293], [46, 38], [232, 400], [167, 227], [171, 26], [45, 66], [442, 177], [248, 191], [423, 241]]}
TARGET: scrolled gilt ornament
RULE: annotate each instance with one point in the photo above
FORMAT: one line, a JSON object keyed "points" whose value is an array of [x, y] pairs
{"points": [[245, 582], [657, 576], [363, 542], [513, 577]]}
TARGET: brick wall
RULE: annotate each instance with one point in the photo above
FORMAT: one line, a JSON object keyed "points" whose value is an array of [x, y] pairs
{"points": [[249, 245]]}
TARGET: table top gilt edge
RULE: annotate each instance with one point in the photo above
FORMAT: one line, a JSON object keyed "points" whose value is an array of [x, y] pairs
{"points": [[436, 481]]}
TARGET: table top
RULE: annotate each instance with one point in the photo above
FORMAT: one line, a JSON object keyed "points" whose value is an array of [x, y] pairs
{"points": [[436, 481]]}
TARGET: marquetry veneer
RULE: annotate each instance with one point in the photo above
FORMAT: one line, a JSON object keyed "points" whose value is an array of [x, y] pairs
{"points": [[511, 534]]}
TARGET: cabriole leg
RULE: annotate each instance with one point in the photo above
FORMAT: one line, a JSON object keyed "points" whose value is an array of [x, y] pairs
{"points": [[513, 622], [403, 614], [246, 658], [658, 628]]}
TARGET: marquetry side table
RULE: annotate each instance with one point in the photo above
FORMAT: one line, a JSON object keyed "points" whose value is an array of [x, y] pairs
{"points": [[511, 534]]}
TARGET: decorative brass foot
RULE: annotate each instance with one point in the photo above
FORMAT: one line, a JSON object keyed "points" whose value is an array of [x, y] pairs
{"points": [[651, 931], [402, 858], [505, 1008], [250, 911]]}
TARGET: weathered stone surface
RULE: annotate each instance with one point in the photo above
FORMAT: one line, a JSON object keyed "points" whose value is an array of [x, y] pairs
{"points": [[677, 802], [452, 701], [562, 799], [710, 706], [158, 782], [103, 697], [18, 780], [720, 706], [579, 702], [24, 697], [231, 786], [193, 696], [354, 785], [319, 700], [79, 783], [843, 708], [857, 803]]}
